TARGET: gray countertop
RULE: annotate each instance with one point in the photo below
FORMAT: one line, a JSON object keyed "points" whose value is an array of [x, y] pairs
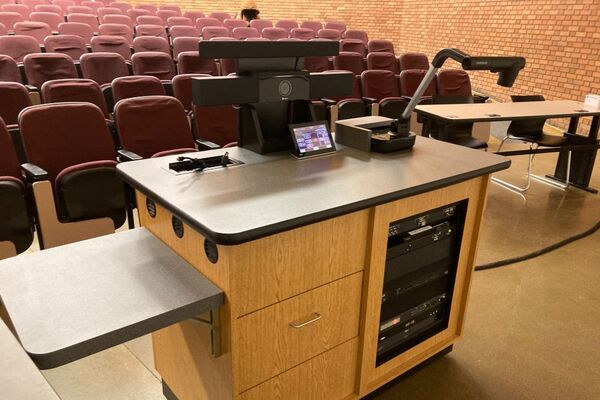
{"points": [[275, 193]]}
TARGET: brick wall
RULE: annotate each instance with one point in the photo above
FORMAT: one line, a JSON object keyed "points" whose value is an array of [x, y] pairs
{"points": [[559, 38]]}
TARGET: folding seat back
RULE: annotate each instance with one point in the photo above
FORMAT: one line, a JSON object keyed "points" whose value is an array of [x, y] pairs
{"points": [[454, 82], [148, 7], [182, 88], [217, 124], [274, 33], [9, 70], [170, 7], [287, 24], [118, 19], [209, 32], [49, 8], [121, 5], [42, 67], [71, 45], [315, 26], [338, 26], [184, 31], [189, 62], [201, 23], [112, 44], [221, 16], [17, 8], [103, 11], [63, 4], [380, 45], [151, 30], [71, 141], [194, 15], [231, 24], [331, 34], [151, 43], [302, 33], [18, 46], [349, 61], [133, 13], [9, 19], [317, 63], [3, 30], [353, 45], [103, 68], [166, 14], [151, 126], [74, 90], [379, 84], [260, 24], [410, 79], [243, 33], [80, 10], [135, 86], [16, 229], [14, 97], [413, 61], [153, 63], [226, 65], [87, 19], [149, 20], [358, 35], [382, 60], [179, 21], [33, 3], [36, 30], [84, 31], [94, 5], [182, 44], [117, 30]]}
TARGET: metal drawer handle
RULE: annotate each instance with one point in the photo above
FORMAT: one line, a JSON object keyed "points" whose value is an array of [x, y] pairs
{"points": [[314, 318]]}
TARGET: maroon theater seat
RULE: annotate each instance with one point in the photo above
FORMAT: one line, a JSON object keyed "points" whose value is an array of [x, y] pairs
{"points": [[349, 61], [184, 31], [260, 24], [9, 70], [216, 124], [33, 3], [103, 68], [382, 87], [194, 15], [454, 82], [179, 21], [331, 34], [166, 14], [202, 23], [3, 30], [36, 30], [350, 106], [151, 30], [42, 67], [72, 143], [74, 90], [317, 63], [15, 212], [287, 24], [84, 31], [71, 45], [243, 33], [119, 19], [51, 8], [153, 126], [87, 19], [9, 19], [17, 8], [184, 43], [231, 24], [338, 26], [302, 34], [209, 32], [182, 88], [315, 26], [382, 60], [353, 45], [226, 65], [189, 62], [103, 11], [112, 44], [133, 13], [358, 35], [153, 63], [170, 7], [63, 4], [148, 7], [14, 97], [121, 5], [149, 20], [380, 45], [410, 79], [150, 43], [135, 86], [94, 5], [117, 30], [274, 33], [413, 61], [221, 16], [80, 10], [18, 46]]}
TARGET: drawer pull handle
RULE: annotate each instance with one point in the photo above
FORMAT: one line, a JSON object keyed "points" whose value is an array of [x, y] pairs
{"points": [[314, 318]]}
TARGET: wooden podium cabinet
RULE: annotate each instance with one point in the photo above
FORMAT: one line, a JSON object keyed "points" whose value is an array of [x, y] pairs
{"points": [[301, 312]]}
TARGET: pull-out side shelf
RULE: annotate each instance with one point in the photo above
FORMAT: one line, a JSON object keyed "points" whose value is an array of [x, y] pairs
{"points": [[72, 301]]}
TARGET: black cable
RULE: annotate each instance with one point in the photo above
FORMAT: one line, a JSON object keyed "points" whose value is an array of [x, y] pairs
{"points": [[537, 253]]}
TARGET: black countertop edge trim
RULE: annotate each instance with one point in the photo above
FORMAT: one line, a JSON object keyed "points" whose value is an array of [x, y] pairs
{"points": [[247, 236], [450, 121], [78, 351]]}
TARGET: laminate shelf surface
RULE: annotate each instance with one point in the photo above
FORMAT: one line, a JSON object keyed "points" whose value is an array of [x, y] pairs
{"points": [[274, 193], [71, 301]]}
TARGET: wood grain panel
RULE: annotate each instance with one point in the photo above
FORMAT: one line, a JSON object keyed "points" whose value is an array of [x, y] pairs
{"points": [[268, 345], [328, 376]]}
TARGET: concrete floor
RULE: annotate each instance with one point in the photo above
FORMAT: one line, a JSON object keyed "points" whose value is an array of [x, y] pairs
{"points": [[531, 329]]}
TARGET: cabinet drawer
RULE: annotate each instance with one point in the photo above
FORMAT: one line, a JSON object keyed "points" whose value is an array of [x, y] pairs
{"points": [[329, 376], [279, 337]]}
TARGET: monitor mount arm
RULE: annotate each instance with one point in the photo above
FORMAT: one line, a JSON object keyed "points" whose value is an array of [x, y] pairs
{"points": [[507, 68]]}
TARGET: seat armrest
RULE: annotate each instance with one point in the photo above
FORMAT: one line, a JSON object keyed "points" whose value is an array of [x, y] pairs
{"points": [[206, 145], [33, 172], [31, 88], [369, 100], [480, 99], [126, 155], [329, 102]]}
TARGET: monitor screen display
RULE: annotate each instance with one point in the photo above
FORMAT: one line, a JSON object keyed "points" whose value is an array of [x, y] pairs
{"points": [[312, 138]]}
